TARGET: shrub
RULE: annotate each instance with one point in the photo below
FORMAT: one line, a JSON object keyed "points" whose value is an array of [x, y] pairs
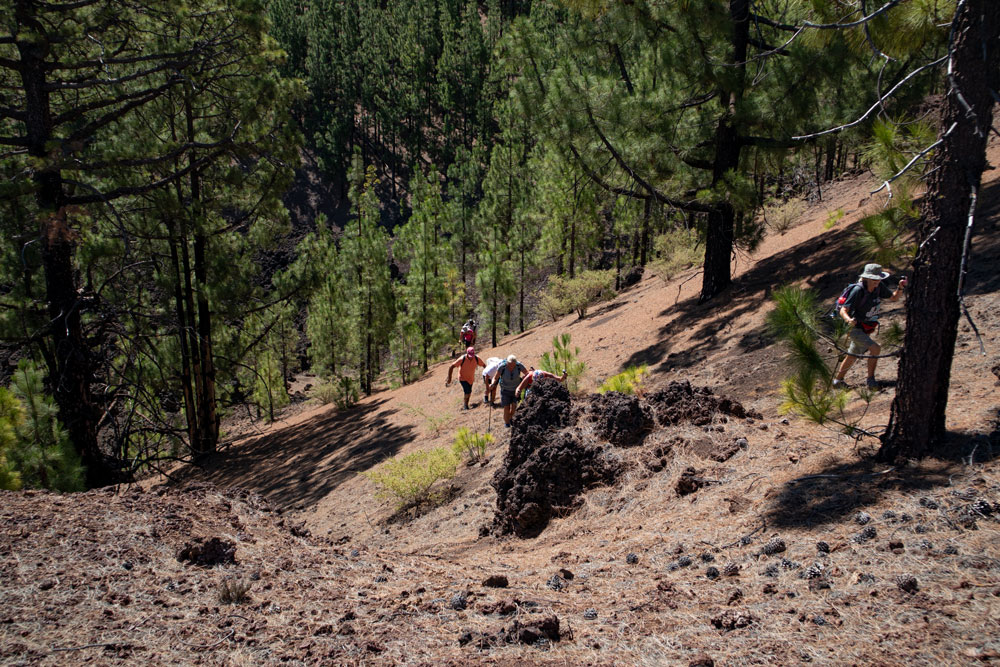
{"points": [[346, 392], [324, 392], [471, 444], [409, 478], [629, 381], [674, 252], [41, 453], [11, 418], [563, 357], [784, 216], [234, 591], [563, 295]]}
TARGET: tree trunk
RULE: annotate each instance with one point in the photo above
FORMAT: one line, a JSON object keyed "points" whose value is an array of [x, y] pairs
{"points": [[917, 419], [73, 368], [719, 236]]}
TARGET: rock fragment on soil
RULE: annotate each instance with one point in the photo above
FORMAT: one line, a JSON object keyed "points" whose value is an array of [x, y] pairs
{"points": [[208, 552]]}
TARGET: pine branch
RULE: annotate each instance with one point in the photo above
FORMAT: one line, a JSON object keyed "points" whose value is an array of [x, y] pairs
{"points": [[875, 106]]}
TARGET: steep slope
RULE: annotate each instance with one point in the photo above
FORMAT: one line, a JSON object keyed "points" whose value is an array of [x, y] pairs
{"points": [[791, 547]]}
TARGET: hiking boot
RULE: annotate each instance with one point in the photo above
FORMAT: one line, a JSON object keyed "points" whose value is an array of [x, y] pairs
{"points": [[873, 384], [486, 398], [840, 384]]}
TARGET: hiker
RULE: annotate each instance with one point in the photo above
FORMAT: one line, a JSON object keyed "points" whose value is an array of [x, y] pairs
{"points": [[508, 377], [493, 364], [468, 335], [860, 311], [530, 378], [466, 373]]}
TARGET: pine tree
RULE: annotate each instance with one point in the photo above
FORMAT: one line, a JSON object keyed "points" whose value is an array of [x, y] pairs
{"points": [[365, 251], [423, 298], [917, 420], [88, 83], [43, 455]]}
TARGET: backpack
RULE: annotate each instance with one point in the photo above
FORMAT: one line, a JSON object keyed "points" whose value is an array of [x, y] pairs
{"points": [[842, 299]]}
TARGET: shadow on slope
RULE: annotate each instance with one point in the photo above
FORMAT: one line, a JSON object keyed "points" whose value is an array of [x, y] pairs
{"points": [[844, 488], [301, 464], [826, 263]]}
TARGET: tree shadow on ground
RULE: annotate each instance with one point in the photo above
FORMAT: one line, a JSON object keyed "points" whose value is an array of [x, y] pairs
{"points": [[825, 263], [843, 488], [299, 465]]}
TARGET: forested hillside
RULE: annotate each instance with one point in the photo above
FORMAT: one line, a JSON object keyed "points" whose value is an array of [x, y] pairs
{"points": [[504, 161]]}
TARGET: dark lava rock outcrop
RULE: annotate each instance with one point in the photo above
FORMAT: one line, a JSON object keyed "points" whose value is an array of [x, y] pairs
{"points": [[620, 418], [546, 466], [679, 402]]}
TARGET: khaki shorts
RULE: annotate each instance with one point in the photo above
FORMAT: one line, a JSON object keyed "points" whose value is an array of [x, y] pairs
{"points": [[860, 342]]}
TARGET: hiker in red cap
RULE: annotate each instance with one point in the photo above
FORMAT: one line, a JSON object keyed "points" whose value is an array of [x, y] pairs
{"points": [[466, 366]]}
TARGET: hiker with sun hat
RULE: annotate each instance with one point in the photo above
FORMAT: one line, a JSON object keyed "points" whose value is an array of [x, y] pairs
{"points": [[860, 311], [466, 366]]}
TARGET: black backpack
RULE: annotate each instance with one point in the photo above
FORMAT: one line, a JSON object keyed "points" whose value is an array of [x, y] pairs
{"points": [[842, 299]]}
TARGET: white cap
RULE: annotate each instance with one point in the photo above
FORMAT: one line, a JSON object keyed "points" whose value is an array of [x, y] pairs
{"points": [[511, 359]]}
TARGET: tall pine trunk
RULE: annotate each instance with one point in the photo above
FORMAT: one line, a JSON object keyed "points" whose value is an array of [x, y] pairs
{"points": [[71, 366], [917, 419], [719, 236]]}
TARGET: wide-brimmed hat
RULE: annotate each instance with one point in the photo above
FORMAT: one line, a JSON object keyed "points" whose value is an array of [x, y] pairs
{"points": [[874, 272]]}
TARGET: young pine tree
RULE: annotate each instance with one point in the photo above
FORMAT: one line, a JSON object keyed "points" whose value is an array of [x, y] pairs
{"points": [[419, 246]]}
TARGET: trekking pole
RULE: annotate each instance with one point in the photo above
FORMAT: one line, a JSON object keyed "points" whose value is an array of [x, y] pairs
{"points": [[489, 421]]}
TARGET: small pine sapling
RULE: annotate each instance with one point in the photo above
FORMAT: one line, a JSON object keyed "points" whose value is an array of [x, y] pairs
{"points": [[629, 381], [564, 358], [472, 445]]}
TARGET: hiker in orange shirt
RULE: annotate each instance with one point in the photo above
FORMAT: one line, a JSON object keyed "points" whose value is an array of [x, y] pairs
{"points": [[466, 366]]}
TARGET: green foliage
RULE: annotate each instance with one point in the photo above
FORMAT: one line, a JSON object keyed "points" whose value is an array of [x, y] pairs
{"points": [[783, 216], [884, 236], [409, 479], [563, 295], [471, 445], [564, 357], [833, 218], [629, 381], [11, 418], [346, 392], [809, 392], [324, 393], [422, 320], [41, 453], [674, 251]]}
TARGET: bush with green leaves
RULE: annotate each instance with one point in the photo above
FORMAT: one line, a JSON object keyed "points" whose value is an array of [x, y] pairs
{"points": [[410, 479], [629, 381], [472, 445], [563, 357], [563, 295], [675, 251], [40, 454]]}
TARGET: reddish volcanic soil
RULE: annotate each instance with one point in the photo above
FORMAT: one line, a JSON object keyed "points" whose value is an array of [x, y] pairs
{"points": [[701, 534]]}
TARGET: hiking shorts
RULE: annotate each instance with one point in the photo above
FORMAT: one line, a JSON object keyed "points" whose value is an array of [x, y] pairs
{"points": [[466, 386], [507, 397], [860, 342]]}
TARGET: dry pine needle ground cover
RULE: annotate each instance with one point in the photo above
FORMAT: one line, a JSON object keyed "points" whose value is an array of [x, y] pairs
{"points": [[724, 540]]}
